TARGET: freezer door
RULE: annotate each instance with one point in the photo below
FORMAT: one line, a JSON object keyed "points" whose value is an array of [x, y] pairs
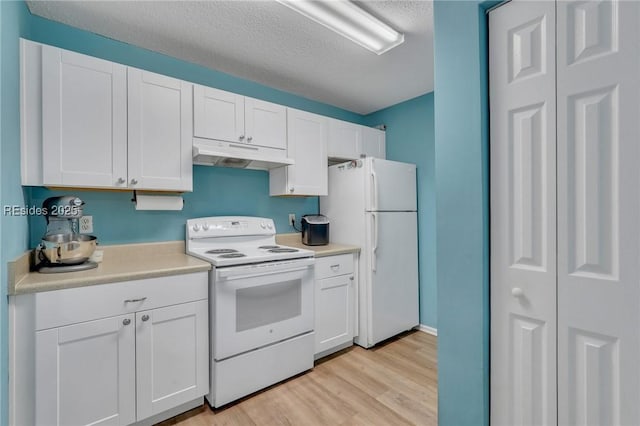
{"points": [[390, 185], [392, 275]]}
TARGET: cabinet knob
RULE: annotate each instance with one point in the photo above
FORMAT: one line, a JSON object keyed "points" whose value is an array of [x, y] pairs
{"points": [[134, 181], [241, 137], [250, 138], [517, 292], [291, 189], [121, 181], [126, 321], [351, 278], [145, 317]]}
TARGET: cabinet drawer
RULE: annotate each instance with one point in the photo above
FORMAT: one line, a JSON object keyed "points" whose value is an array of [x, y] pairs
{"points": [[70, 306], [332, 266]]}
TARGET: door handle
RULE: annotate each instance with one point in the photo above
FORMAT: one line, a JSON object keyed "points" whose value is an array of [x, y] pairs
{"points": [[374, 191], [374, 223], [517, 292]]}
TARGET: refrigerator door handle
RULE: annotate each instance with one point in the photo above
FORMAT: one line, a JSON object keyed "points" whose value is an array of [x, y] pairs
{"points": [[374, 223], [374, 191]]}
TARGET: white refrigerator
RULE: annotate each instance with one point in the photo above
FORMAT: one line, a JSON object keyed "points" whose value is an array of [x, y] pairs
{"points": [[372, 204]]}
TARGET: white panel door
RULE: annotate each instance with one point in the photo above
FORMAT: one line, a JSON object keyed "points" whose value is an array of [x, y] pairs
{"points": [[160, 132], [85, 373], [218, 114], [307, 145], [598, 212], [265, 123], [390, 185], [523, 213], [172, 356], [84, 120], [373, 143], [344, 139], [391, 283]]}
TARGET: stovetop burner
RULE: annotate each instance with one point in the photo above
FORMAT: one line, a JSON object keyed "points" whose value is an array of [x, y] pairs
{"points": [[268, 247], [282, 250], [231, 255], [221, 251]]}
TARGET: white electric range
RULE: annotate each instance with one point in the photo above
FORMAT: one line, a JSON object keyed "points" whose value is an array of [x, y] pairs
{"points": [[260, 304]]}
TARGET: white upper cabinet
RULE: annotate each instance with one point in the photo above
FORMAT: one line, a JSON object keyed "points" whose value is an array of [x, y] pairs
{"points": [[91, 123], [84, 120], [229, 117], [373, 143], [344, 140], [349, 141], [160, 129], [218, 114], [307, 145]]}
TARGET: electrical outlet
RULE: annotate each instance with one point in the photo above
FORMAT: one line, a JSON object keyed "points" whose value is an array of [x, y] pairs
{"points": [[292, 219], [86, 224]]}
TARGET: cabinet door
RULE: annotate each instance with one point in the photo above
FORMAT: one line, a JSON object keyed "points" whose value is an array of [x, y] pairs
{"points": [[85, 373], [265, 123], [373, 143], [218, 114], [160, 132], [84, 120], [334, 312], [344, 140], [172, 356], [307, 145]]}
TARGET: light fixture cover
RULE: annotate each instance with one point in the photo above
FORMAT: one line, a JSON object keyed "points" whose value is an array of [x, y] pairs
{"points": [[350, 21]]}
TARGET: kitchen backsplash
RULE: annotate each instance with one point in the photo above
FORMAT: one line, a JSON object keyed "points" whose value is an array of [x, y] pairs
{"points": [[217, 191]]}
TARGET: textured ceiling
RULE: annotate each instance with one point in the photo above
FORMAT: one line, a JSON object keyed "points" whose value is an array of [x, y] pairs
{"points": [[266, 42]]}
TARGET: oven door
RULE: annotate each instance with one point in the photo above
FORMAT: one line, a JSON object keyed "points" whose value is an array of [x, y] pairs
{"points": [[256, 305]]}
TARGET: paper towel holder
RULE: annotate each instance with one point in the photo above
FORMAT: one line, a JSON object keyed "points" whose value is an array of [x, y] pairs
{"points": [[134, 200]]}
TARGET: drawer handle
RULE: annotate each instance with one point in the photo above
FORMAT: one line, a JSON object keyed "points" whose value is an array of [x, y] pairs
{"points": [[335, 267], [142, 299]]}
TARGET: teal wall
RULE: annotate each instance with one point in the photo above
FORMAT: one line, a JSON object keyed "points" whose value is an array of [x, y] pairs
{"points": [[410, 138], [462, 214], [217, 191], [13, 23]]}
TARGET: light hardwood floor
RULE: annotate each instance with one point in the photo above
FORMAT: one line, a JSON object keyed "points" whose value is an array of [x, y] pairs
{"points": [[395, 383]]}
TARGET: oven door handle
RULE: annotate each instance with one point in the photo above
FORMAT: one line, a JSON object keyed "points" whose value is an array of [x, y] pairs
{"points": [[234, 274]]}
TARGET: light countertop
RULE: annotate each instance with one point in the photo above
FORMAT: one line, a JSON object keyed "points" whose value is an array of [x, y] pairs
{"points": [[120, 263], [295, 240]]}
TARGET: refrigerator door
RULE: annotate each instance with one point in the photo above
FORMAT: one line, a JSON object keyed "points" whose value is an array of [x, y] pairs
{"points": [[390, 185], [391, 287]]}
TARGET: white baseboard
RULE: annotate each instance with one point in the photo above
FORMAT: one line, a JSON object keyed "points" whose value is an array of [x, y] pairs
{"points": [[428, 330]]}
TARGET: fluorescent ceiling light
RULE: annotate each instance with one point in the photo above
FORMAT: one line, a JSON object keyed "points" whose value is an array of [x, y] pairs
{"points": [[349, 21]]}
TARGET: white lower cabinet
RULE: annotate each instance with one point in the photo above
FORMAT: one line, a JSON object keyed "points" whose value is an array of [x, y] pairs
{"points": [[85, 373], [171, 356], [335, 303], [138, 365]]}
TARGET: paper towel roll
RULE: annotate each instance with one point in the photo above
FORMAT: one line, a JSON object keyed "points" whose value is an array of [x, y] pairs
{"points": [[159, 202]]}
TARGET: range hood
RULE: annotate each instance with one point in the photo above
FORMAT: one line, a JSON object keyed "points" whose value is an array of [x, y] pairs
{"points": [[243, 156]]}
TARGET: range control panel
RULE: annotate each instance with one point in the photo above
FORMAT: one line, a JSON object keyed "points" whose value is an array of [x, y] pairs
{"points": [[229, 226]]}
